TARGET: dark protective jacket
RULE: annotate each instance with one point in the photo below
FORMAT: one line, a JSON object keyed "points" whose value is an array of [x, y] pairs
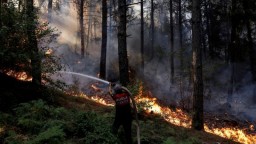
{"points": [[122, 100]]}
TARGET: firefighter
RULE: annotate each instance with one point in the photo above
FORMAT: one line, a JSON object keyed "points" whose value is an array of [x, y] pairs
{"points": [[125, 107]]}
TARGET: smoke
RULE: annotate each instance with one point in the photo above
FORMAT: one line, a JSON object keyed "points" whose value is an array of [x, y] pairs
{"points": [[156, 75], [241, 102]]}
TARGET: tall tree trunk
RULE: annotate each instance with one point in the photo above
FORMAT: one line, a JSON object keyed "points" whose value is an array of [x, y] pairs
{"points": [[252, 49], [20, 5], [208, 9], [181, 83], [1, 4], [35, 56], [0, 16], [1, 21], [49, 10], [227, 27], [81, 22], [110, 19], [233, 50], [89, 28], [198, 117], [180, 38], [142, 35], [152, 26], [104, 40], [122, 44], [171, 43]]}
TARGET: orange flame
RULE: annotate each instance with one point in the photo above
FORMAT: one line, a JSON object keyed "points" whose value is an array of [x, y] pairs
{"points": [[177, 117], [180, 118], [101, 101], [19, 75], [93, 98]]}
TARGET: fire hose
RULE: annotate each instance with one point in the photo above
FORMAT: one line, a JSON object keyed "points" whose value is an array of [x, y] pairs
{"points": [[137, 121]]}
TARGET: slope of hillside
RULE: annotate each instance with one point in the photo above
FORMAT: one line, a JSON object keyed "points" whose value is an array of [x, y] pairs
{"points": [[62, 118]]}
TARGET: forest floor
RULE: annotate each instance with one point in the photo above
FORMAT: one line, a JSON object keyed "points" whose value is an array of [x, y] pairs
{"points": [[153, 128]]}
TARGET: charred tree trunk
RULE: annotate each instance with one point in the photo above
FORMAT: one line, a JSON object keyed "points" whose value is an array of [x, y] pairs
{"points": [[104, 40], [233, 50], [89, 28], [142, 35], [252, 49], [208, 10], [1, 4], [198, 117], [122, 50], [250, 41], [32, 40], [171, 43], [81, 22], [0, 18], [180, 37], [227, 36], [181, 57], [1, 37], [152, 27], [49, 10]]}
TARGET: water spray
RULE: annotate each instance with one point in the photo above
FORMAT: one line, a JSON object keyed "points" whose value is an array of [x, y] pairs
{"points": [[88, 76], [110, 87]]}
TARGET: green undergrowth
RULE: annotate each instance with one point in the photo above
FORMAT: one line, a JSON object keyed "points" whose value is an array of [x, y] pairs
{"points": [[66, 119], [37, 122]]}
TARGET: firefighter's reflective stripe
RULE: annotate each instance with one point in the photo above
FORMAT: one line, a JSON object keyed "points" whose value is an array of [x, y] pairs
{"points": [[121, 99]]}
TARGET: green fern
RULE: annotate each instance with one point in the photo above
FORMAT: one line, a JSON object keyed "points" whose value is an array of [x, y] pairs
{"points": [[51, 135]]}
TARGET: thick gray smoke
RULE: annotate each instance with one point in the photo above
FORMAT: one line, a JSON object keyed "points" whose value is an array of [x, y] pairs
{"points": [[157, 68]]}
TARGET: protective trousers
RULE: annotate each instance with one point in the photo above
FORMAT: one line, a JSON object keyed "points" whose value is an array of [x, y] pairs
{"points": [[123, 117]]}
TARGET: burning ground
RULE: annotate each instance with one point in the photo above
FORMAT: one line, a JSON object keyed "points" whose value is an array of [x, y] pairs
{"points": [[151, 108], [158, 123]]}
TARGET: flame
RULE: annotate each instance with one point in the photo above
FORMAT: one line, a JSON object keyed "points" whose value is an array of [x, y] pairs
{"points": [[101, 101], [19, 75], [180, 118], [93, 98], [176, 117], [232, 133]]}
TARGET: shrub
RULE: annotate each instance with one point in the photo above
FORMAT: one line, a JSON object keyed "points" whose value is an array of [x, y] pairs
{"points": [[43, 123], [53, 135]]}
